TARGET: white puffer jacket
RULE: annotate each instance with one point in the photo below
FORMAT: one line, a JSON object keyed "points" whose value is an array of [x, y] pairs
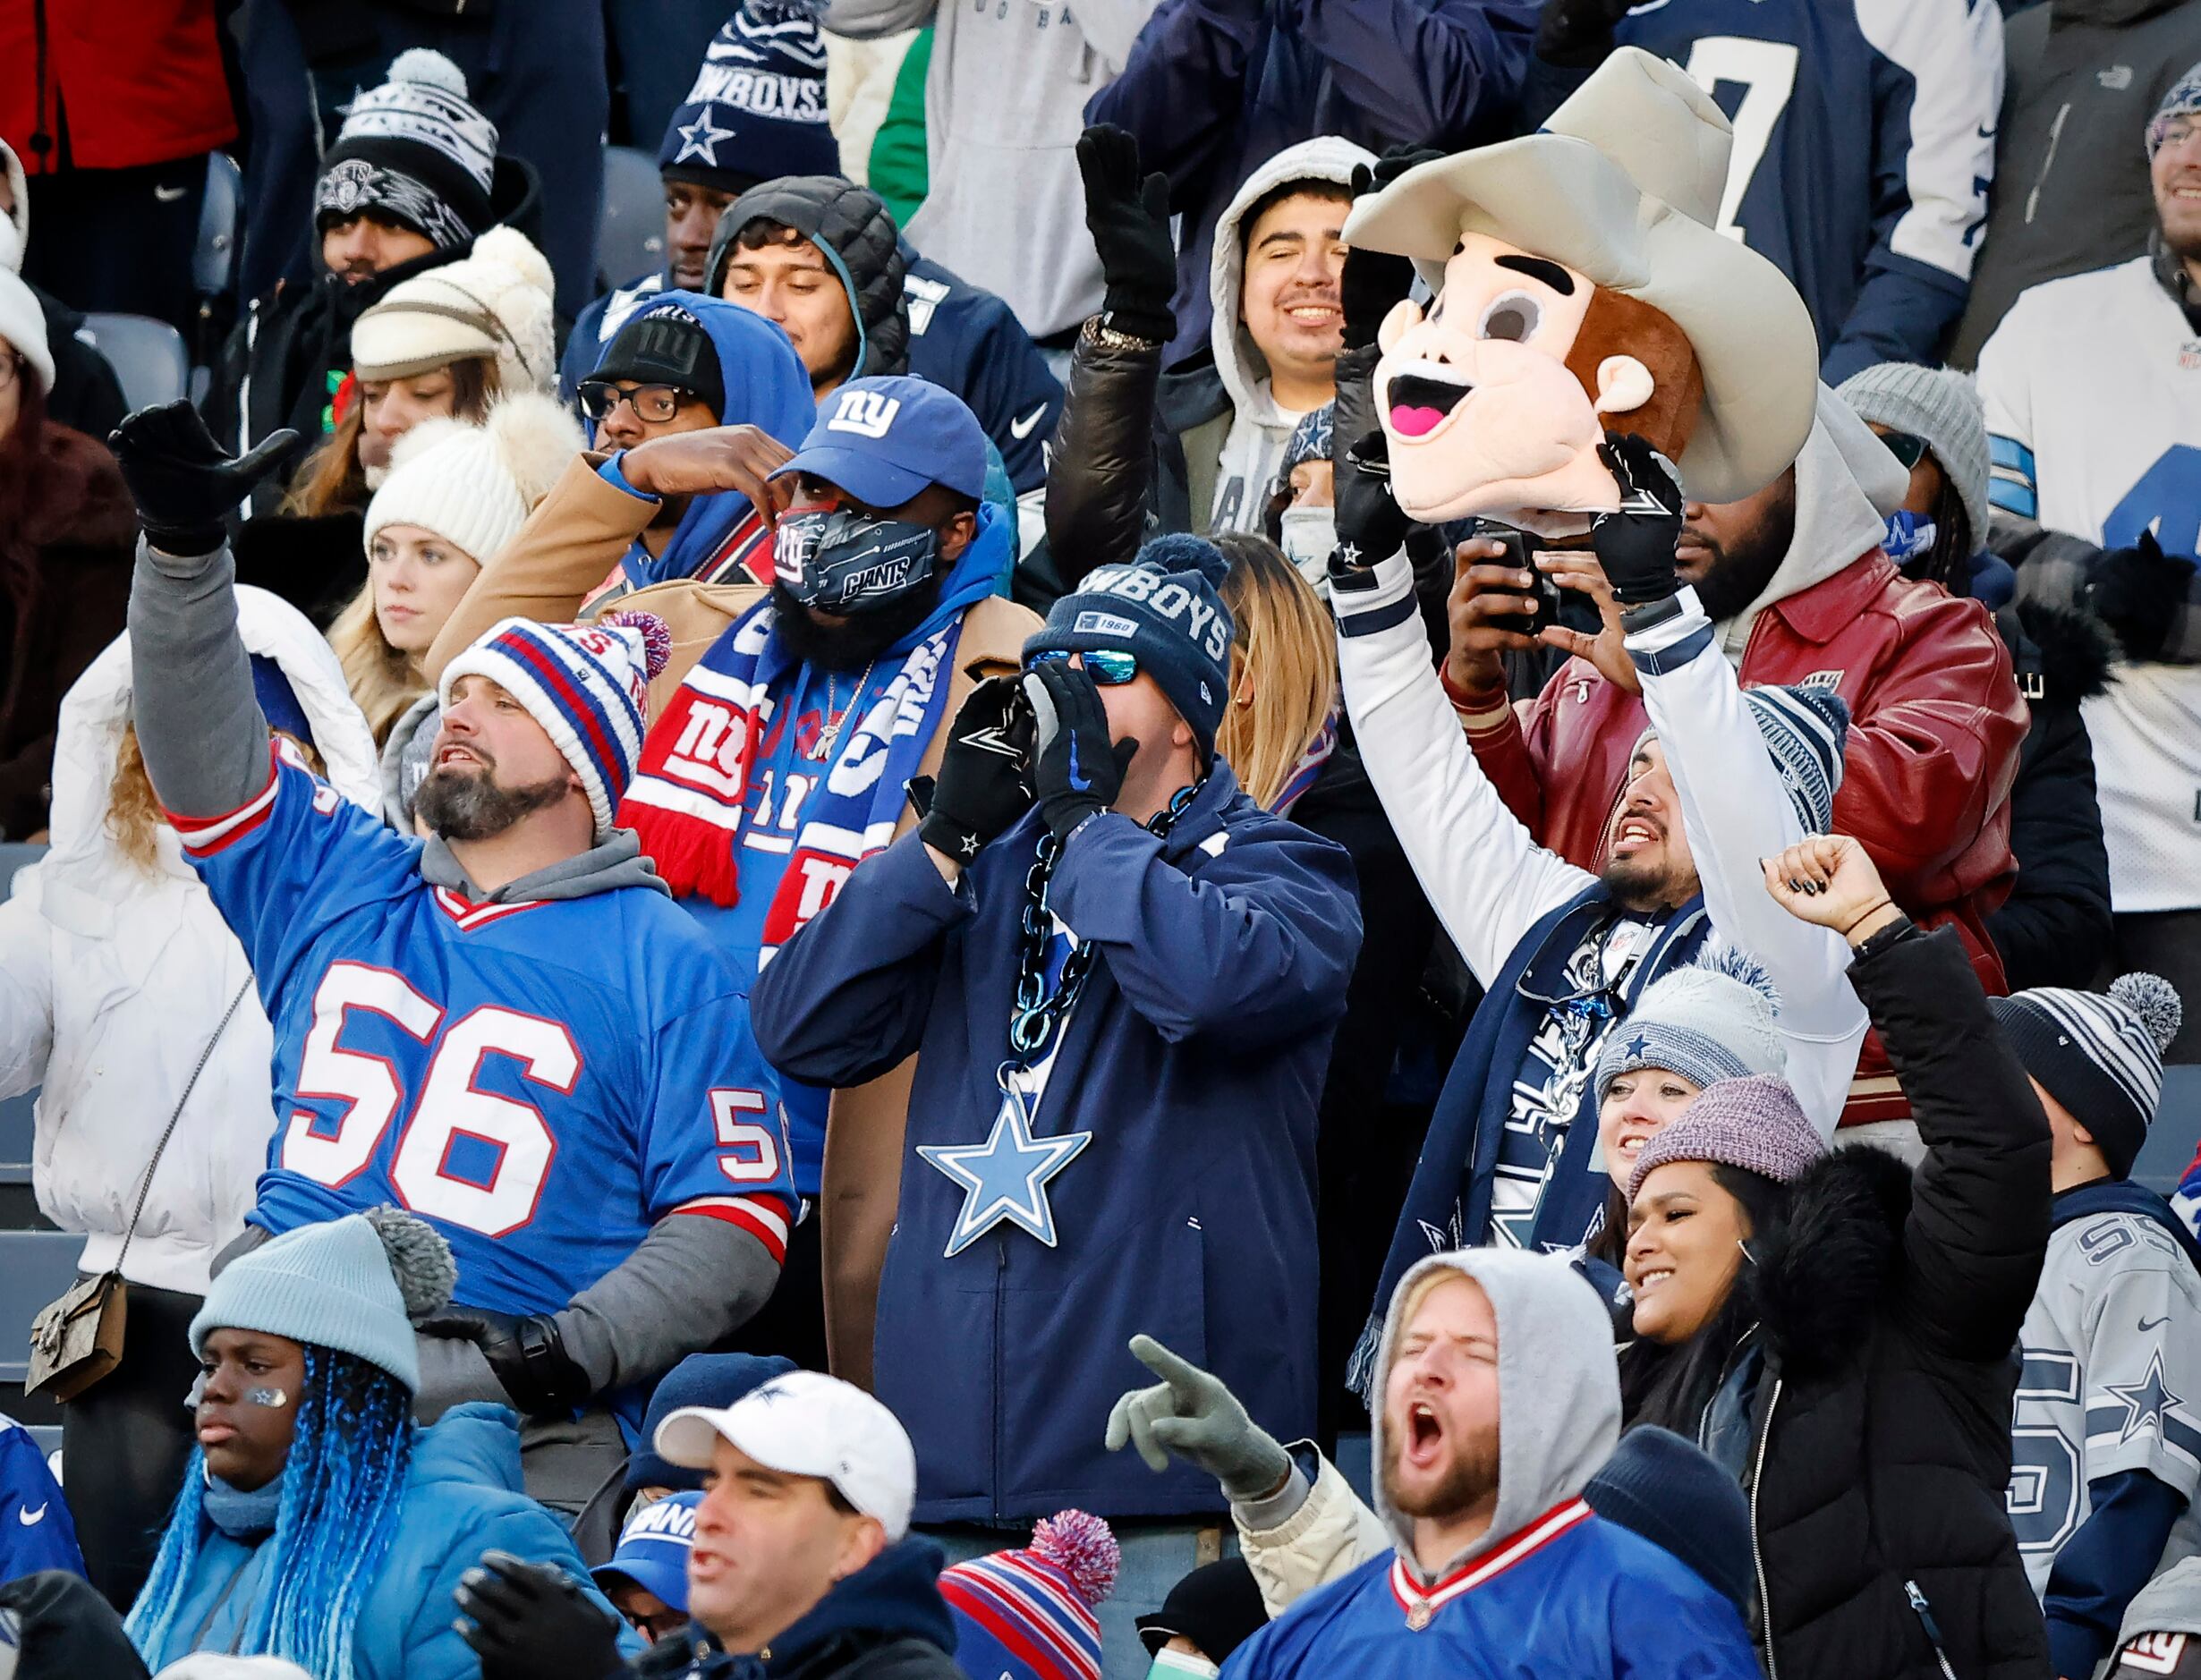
{"points": [[112, 981]]}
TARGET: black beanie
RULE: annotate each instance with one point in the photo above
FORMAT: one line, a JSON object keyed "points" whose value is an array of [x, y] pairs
{"points": [[665, 344], [414, 150], [1659, 1486], [2100, 1055]]}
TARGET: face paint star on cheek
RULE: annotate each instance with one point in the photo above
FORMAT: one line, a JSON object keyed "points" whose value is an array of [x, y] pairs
{"points": [[274, 1399]]}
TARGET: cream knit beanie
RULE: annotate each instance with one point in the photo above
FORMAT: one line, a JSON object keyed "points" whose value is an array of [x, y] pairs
{"points": [[495, 303], [474, 486]]}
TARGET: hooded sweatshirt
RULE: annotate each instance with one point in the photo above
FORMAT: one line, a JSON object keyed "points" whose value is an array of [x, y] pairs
{"points": [[113, 980], [1253, 446], [1548, 1587]]}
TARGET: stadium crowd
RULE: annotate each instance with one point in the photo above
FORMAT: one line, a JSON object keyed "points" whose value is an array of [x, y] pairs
{"points": [[1280, 837]]}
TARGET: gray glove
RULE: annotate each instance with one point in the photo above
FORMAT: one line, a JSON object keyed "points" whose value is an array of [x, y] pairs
{"points": [[1191, 1415]]}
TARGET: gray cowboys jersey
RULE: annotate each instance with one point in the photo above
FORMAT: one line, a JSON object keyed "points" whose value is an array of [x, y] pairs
{"points": [[2111, 1382]]}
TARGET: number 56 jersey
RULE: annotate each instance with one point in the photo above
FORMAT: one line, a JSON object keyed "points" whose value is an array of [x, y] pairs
{"points": [[543, 1080]]}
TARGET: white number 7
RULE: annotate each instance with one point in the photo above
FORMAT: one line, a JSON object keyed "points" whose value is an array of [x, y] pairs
{"points": [[1767, 73]]}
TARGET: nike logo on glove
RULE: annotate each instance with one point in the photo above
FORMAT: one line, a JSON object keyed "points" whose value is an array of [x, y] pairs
{"points": [[1078, 784], [1022, 429]]}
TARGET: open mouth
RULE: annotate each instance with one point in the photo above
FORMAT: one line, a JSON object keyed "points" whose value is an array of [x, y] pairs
{"points": [[1425, 1433], [1420, 401], [457, 755], [1651, 1279], [1636, 831], [1628, 1145]]}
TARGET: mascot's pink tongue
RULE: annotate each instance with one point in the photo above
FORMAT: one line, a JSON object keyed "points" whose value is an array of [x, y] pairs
{"points": [[1410, 421]]}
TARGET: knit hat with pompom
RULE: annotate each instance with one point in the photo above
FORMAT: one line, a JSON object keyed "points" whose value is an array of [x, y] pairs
{"points": [[1714, 1018], [1028, 1614], [474, 486], [2099, 1055], [414, 151], [356, 1285], [494, 304]]}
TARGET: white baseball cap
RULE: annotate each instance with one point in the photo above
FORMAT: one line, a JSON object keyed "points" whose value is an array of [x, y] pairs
{"points": [[805, 1424]]}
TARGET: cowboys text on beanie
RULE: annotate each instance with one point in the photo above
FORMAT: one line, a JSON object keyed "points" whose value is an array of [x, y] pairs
{"points": [[474, 486], [414, 151], [757, 110], [495, 303], [1710, 1019], [1165, 608], [588, 685], [1754, 1124], [357, 1284], [2099, 1055]]}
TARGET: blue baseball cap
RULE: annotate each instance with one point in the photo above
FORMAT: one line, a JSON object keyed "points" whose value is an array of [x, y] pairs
{"points": [[884, 440], [653, 1551]]}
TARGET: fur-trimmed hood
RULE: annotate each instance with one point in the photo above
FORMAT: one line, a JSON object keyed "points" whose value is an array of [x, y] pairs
{"points": [[1822, 1277], [2072, 653]]}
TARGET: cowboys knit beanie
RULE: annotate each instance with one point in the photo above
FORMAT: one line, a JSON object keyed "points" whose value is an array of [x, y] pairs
{"points": [[1166, 609], [1027, 1614], [2099, 1055], [1660, 1487], [1754, 1124], [1942, 406], [357, 1284], [1711, 1019], [474, 486], [412, 151], [588, 685], [1805, 730], [711, 1380], [2184, 100], [666, 344], [1309, 441], [758, 109], [494, 304]]}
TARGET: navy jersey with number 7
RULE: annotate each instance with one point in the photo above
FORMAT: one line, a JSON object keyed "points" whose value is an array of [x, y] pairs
{"points": [[542, 1082]]}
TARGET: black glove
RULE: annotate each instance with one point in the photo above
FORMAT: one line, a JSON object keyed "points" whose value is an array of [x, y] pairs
{"points": [[2137, 592], [1128, 216], [1636, 545], [1373, 281], [183, 481], [1371, 525], [531, 1622], [1577, 34], [985, 779], [1079, 770], [527, 1354]]}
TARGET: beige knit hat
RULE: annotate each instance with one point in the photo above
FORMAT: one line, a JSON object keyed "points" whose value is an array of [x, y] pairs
{"points": [[474, 486], [495, 303]]}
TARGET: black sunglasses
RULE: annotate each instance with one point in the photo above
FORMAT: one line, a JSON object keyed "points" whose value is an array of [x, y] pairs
{"points": [[1907, 447]]}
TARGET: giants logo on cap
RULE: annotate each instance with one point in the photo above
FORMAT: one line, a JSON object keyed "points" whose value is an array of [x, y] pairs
{"points": [[867, 413]]}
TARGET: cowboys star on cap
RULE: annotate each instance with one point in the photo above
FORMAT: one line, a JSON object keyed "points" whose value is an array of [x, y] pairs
{"points": [[700, 138], [1005, 1178]]}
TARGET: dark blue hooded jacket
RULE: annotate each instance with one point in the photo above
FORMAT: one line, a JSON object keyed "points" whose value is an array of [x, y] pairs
{"points": [[1194, 1058]]}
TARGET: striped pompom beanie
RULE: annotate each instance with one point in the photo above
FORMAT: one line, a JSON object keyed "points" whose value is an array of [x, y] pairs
{"points": [[588, 685], [1804, 731], [2098, 1054], [1028, 1614]]}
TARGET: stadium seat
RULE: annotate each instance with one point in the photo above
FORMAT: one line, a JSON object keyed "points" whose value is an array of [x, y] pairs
{"points": [[13, 855], [629, 234], [2176, 1133], [148, 356], [35, 1265], [213, 261]]}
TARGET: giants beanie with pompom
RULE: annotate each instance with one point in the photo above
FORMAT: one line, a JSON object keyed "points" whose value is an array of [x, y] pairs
{"points": [[1027, 1614], [1166, 609], [2100, 1055], [357, 1284], [474, 486]]}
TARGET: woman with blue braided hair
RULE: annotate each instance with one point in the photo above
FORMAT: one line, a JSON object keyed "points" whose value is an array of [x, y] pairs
{"points": [[316, 1523]]}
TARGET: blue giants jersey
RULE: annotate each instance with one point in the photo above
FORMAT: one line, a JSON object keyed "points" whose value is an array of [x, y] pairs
{"points": [[542, 1082]]}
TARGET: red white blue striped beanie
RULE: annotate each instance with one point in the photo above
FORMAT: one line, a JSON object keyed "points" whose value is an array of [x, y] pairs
{"points": [[588, 685], [1028, 1614]]}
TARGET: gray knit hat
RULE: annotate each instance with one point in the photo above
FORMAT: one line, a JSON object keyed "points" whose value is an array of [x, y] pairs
{"points": [[1944, 408], [2098, 1054], [1709, 1021], [1754, 1124], [357, 1284]]}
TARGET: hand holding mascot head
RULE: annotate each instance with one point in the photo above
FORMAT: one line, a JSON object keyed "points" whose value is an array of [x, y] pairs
{"points": [[1581, 289]]}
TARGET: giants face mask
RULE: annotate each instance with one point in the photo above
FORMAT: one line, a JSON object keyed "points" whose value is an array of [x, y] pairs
{"points": [[841, 562]]}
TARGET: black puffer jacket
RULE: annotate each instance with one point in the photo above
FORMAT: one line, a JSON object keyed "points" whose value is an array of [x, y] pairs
{"points": [[1890, 1307], [853, 225]]}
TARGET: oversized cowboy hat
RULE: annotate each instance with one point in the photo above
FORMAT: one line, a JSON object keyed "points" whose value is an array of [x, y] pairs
{"points": [[1622, 184]]}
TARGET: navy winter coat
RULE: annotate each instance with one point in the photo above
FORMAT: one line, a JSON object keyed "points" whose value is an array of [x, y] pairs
{"points": [[1194, 1058]]}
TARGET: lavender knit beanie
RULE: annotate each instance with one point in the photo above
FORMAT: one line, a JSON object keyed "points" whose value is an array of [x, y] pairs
{"points": [[1754, 1124]]}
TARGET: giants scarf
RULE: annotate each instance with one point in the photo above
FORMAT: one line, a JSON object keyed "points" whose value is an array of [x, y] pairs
{"points": [[686, 799]]}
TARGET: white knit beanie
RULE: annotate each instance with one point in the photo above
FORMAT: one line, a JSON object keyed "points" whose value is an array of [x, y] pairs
{"points": [[22, 323], [474, 486], [19, 193], [495, 303]]}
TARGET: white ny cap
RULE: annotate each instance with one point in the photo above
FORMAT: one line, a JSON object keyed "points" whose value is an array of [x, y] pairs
{"points": [[805, 1424]]}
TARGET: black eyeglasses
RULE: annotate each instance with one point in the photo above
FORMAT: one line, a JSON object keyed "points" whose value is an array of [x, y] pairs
{"points": [[1907, 447], [651, 403]]}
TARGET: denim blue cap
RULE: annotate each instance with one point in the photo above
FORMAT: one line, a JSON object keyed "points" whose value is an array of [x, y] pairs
{"points": [[653, 1549], [883, 440]]}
